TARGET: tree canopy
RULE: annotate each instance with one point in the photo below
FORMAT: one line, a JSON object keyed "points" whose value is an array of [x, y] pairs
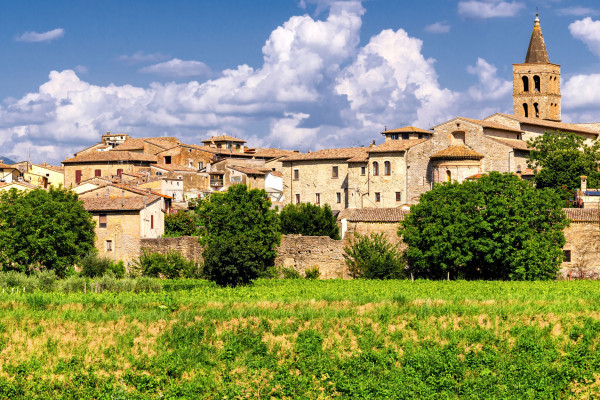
{"points": [[309, 220], [43, 230], [241, 233], [181, 223], [561, 158], [497, 227]]}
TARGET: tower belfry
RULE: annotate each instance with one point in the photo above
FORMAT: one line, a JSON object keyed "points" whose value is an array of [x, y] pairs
{"points": [[536, 83]]}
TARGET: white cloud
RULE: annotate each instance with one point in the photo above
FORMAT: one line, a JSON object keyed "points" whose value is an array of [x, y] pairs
{"points": [[141, 57], [41, 37], [488, 8], [588, 31], [576, 11], [581, 91], [489, 87], [81, 69], [438, 27], [177, 68]]}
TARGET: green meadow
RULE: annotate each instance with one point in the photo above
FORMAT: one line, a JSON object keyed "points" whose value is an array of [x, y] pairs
{"points": [[303, 339]]}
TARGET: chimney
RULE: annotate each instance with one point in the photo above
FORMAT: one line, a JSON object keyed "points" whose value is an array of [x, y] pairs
{"points": [[583, 183], [372, 144]]}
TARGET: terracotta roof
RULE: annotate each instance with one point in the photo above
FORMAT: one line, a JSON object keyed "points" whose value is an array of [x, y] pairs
{"points": [[108, 156], [271, 153], [378, 215], [330, 154], [140, 143], [216, 173], [514, 143], [550, 124], [223, 152], [173, 167], [457, 152], [406, 129], [582, 214], [492, 125], [395, 145], [26, 184], [278, 174], [51, 167], [536, 52], [223, 138], [6, 166], [123, 186], [362, 158], [118, 204], [104, 146], [249, 170]]}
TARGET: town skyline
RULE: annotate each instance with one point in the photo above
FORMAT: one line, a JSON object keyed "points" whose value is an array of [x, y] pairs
{"points": [[300, 75]]}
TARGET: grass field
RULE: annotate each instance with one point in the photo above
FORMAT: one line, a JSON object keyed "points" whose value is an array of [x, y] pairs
{"points": [[300, 339]]}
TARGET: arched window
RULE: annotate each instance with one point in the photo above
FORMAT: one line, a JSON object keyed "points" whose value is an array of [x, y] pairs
{"points": [[537, 110], [448, 176], [525, 110], [525, 84], [375, 168], [536, 83], [387, 166]]}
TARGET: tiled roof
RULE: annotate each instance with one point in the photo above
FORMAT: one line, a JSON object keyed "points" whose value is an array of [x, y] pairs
{"points": [[514, 143], [330, 154], [101, 144], [118, 204], [173, 167], [582, 214], [222, 152], [406, 129], [361, 158], [278, 174], [378, 215], [492, 125], [139, 143], [272, 153], [248, 170], [6, 166], [536, 52], [108, 156], [457, 152], [102, 184], [550, 124], [51, 167], [223, 138], [395, 145], [25, 184]]}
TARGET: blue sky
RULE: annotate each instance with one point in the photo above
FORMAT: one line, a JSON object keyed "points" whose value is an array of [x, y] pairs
{"points": [[297, 74]]}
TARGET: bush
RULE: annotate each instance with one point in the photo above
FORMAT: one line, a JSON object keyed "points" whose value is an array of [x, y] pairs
{"points": [[170, 265], [309, 220], [181, 223], [290, 273], [373, 257], [47, 280], [229, 261], [92, 265], [312, 273]]}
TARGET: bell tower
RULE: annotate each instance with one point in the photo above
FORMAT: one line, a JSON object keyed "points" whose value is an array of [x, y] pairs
{"points": [[536, 82]]}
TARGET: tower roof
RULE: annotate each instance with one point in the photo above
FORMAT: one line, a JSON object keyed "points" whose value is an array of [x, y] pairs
{"points": [[537, 53]]}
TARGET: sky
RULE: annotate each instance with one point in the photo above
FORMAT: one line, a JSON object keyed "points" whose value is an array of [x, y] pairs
{"points": [[294, 74]]}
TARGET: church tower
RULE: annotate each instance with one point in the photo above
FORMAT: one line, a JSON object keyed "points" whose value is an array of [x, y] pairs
{"points": [[536, 83]]}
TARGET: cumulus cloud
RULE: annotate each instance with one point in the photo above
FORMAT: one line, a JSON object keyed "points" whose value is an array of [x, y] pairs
{"points": [[438, 27], [581, 91], [488, 8], [41, 37], [141, 57], [490, 86], [576, 11], [177, 68], [588, 31]]}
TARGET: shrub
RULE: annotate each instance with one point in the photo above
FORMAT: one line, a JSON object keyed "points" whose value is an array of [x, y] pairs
{"points": [[312, 273], [93, 265], [230, 261], [181, 223], [373, 257], [290, 273], [309, 220], [170, 265], [47, 280]]}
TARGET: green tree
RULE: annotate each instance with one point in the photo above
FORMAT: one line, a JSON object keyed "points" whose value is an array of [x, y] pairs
{"points": [[309, 220], [241, 233], [561, 158], [373, 257], [181, 223], [43, 230], [498, 227]]}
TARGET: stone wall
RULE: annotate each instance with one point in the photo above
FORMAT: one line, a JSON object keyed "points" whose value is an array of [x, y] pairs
{"points": [[303, 252], [188, 246], [583, 241]]}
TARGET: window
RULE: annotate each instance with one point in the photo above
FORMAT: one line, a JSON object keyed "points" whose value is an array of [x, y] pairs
{"points": [[394, 136], [297, 198], [338, 197], [78, 176], [525, 84], [420, 136], [567, 254], [236, 179], [363, 170], [334, 171], [109, 246], [296, 174], [448, 176], [158, 173], [216, 180], [375, 168], [536, 83], [377, 197], [537, 110], [152, 222], [97, 172], [398, 196], [405, 136], [200, 165], [191, 164], [102, 221], [317, 198], [189, 150], [119, 172], [167, 159], [237, 146], [387, 166], [525, 110]]}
